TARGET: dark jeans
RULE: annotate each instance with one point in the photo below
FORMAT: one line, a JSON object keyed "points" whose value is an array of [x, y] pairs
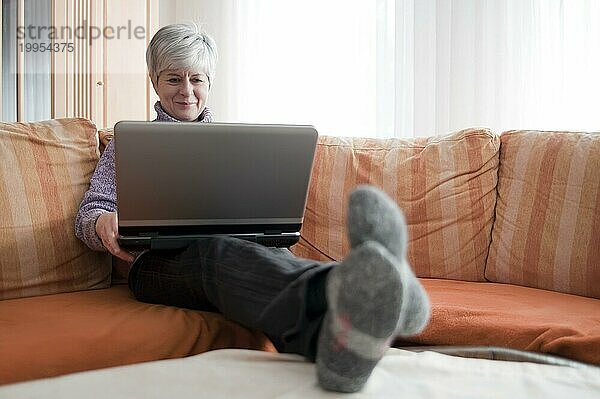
{"points": [[268, 289]]}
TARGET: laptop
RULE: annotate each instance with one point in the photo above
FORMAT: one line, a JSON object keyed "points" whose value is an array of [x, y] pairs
{"points": [[177, 182]]}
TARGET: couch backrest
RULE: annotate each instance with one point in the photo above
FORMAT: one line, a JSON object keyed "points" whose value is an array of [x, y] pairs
{"points": [[445, 185], [547, 228], [45, 168]]}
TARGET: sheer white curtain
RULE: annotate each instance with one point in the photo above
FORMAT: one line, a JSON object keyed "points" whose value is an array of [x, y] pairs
{"points": [[284, 61], [506, 64], [404, 68]]}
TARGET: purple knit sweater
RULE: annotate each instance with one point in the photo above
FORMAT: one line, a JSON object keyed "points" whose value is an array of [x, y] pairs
{"points": [[101, 197]]}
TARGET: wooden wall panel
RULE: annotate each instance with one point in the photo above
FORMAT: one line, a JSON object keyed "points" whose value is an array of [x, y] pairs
{"points": [[126, 83], [104, 79], [74, 72]]}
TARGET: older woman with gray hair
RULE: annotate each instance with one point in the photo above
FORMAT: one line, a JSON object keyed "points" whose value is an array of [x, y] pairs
{"points": [[182, 57], [342, 315]]}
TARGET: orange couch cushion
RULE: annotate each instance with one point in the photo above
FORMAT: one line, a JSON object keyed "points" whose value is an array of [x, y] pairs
{"points": [[45, 168], [491, 314], [57, 334], [547, 229], [445, 185]]}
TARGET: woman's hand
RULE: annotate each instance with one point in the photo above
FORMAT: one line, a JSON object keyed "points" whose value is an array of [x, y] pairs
{"points": [[107, 228]]}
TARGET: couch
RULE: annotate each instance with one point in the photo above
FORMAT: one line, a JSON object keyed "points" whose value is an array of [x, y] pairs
{"points": [[504, 235]]}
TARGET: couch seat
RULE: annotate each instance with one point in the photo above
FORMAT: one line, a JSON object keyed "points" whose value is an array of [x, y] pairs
{"points": [[51, 335], [505, 315]]}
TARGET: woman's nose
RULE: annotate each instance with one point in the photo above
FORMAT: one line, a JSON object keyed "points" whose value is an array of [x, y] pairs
{"points": [[186, 87]]}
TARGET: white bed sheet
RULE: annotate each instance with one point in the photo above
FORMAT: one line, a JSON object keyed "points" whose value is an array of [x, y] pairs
{"points": [[233, 373]]}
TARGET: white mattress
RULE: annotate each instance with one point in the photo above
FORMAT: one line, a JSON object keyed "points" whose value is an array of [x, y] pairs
{"points": [[235, 373]]}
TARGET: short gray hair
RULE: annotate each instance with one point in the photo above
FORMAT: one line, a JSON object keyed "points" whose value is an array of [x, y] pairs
{"points": [[181, 46]]}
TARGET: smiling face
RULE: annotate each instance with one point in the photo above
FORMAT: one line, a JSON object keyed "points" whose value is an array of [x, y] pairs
{"points": [[182, 93]]}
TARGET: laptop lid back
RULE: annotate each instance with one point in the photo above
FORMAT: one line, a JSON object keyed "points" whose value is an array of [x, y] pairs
{"points": [[192, 178]]}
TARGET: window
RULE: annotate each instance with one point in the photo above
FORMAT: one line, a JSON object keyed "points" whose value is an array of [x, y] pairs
{"points": [[401, 68], [26, 66]]}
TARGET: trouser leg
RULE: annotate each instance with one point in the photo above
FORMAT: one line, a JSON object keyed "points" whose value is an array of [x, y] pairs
{"points": [[262, 288]]}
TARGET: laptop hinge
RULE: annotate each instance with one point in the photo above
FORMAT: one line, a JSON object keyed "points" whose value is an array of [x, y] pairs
{"points": [[149, 234]]}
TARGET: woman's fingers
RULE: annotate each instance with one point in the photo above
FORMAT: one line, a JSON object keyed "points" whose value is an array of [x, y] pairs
{"points": [[107, 228]]}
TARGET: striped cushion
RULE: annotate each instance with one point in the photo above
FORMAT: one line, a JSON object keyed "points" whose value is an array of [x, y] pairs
{"points": [[45, 168], [547, 231], [445, 185]]}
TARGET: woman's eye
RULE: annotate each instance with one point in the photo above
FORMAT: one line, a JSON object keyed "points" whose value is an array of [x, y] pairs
{"points": [[173, 80]]}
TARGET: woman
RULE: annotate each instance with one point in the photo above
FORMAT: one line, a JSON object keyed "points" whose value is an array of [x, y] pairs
{"points": [[344, 315]]}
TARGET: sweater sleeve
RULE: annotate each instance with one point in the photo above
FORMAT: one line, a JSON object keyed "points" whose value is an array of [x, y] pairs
{"points": [[101, 197]]}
